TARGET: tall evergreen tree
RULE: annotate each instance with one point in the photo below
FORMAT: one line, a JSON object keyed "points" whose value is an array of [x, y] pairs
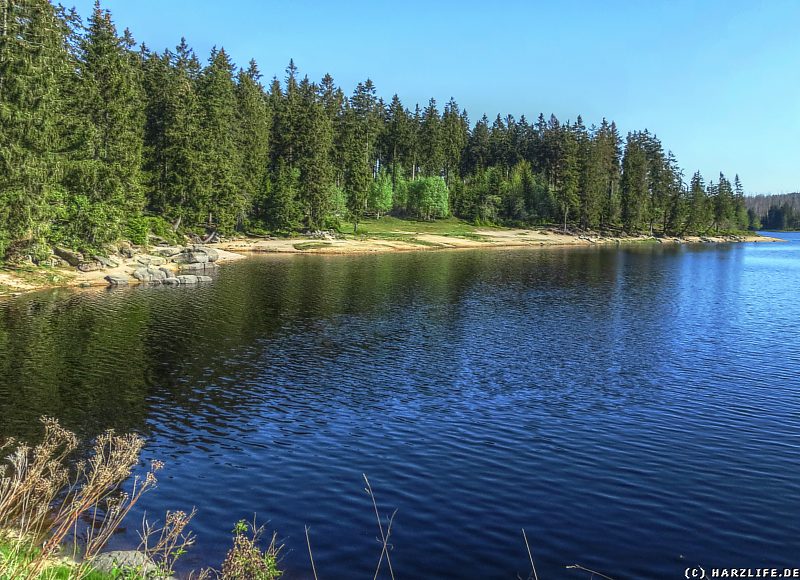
{"points": [[252, 137], [107, 181], [34, 66], [224, 201], [634, 184]]}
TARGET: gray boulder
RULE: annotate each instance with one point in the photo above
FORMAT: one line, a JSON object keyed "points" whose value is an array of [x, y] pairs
{"points": [[198, 267], [90, 266], [147, 260], [70, 257], [205, 279], [129, 561], [187, 279], [171, 282], [167, 252], [116, 281], [149, 275], [106, 262], [213, 255]]}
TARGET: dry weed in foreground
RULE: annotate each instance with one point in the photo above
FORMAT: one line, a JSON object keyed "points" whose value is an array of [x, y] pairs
{"points": [[166, 544], [246, 561], [42, 499]]}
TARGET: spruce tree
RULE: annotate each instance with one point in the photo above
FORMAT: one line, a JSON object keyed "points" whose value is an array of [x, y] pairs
{"points": [[253, 135], [634, 184], [34, 68], [107, 181], [223, 202]]}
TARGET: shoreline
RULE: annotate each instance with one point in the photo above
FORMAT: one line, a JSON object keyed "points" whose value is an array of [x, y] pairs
{"points": [[17, 281]]}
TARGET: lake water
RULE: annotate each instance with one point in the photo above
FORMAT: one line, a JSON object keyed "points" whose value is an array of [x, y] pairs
{"points": [[636, 410]]}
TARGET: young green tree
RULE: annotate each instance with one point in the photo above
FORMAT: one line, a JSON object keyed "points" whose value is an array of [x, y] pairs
{"points": [[428, 198], [380, 199]]}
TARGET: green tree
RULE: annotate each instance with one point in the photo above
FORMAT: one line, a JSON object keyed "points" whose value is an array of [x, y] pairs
{"points": [[380, 194], [34, 68], [223, 202], [252, 135], [634, 185], [107, 181], [314, 144], [428, 198]]}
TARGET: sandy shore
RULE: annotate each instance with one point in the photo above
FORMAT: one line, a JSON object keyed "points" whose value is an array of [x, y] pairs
{"points": [[480, 238], [15, 282]]}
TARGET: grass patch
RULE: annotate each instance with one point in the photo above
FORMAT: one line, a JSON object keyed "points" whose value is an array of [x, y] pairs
{"points": [[391, 225], [471, 236], [39, 275], [302, 246]]}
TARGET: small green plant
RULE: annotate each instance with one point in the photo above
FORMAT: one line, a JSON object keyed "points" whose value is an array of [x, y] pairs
{"points": [[246, 560]]}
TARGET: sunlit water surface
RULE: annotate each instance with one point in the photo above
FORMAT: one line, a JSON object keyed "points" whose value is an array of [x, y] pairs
{"points": [[635, 410]]}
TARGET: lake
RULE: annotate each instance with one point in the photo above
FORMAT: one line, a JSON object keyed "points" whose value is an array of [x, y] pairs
{"points": [[636, 409]]}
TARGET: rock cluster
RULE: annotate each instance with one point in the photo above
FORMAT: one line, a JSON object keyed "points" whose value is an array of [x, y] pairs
{"points": [[193, 263]]}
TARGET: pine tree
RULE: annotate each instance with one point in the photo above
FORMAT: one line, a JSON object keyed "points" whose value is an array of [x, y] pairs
{"points": [[477, 155], [566, 174], [313, 152], [454, 135], [397, 138], [252, 135], [34, 67], [431, 142], [107, 181], [699, 210], [634, 184], [223, 202]]}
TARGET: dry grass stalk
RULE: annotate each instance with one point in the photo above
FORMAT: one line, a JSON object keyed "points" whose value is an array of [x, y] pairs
{"points": [[592, 572], [170, 541], [42, 503], [530, 555], [384, 537], [310, 555]]}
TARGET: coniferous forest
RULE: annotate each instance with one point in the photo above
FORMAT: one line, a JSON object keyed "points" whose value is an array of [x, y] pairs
{"points": [[102, 139]]}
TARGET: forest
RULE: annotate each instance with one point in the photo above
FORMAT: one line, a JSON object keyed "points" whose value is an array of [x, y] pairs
{"points": [[774, 212], [103, 139]]}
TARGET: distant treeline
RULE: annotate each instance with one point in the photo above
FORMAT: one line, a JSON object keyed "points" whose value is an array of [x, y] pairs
{"points": [[774, 212], [102, 139]]}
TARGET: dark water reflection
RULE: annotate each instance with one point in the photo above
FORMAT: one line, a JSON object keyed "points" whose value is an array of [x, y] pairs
{"points": [[635, 410]]}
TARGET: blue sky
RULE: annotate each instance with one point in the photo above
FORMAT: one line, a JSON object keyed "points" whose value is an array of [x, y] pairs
{"points": [[717, 80]]}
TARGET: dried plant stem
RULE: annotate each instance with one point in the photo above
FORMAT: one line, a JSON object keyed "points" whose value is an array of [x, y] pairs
{"points": [[592, 572], [530, 555], [384, 537], [310, 555]]}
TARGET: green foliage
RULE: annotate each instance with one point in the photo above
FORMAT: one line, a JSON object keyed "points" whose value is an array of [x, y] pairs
{"points": [[246, 560], [139, 230], [428, 198], [380, 199]]}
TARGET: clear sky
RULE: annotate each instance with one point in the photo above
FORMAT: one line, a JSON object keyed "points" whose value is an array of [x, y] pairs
{"points": [[717, 80]]}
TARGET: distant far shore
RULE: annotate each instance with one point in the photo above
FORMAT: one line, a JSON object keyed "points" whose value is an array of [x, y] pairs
{"points": [[135, 265]]}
